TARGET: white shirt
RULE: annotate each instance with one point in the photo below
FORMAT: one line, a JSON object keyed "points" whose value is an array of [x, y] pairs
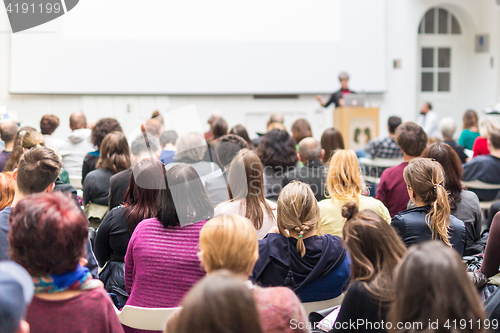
{"points": [[430, 123]]}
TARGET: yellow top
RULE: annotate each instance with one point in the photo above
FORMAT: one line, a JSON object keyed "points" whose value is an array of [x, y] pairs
{"points": [[330, 213]]}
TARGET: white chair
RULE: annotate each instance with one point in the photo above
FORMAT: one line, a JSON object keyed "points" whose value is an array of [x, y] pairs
{"points": [[76, 182], [321, 305], [378, 163], [479, 185], [149, 319]]}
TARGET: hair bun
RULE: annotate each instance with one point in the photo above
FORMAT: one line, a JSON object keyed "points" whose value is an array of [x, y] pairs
{"points": [[349, 210]]}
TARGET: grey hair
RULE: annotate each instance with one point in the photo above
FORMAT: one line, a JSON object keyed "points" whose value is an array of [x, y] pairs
{"points": [[343, 76], [191, 148], [168, 137], [447, 126], [139, 145], [486, 126], [309, 149]]}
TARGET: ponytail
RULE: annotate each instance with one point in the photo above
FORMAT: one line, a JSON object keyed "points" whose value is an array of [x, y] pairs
{"points": [[439, 215]]}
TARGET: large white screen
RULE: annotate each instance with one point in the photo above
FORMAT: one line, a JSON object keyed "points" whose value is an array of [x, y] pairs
{"points": [[203, 47]]}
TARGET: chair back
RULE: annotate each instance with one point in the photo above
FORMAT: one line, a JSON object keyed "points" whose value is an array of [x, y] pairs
{"points": [[149, 319]]}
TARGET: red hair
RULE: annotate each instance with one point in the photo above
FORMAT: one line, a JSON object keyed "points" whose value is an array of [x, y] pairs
{"points": [[7, 189]]}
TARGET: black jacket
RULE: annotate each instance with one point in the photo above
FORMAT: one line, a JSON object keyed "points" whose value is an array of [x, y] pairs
{"points": [[412, 227], [458, 149], [118, 186], [312, 173]]}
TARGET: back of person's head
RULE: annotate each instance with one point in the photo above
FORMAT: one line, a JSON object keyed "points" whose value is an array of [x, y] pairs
{"points": [[38, 168], [229, 242], [486, 126], [494, 138], [344, 176], [276, 118], [374, 248], [331, 141], [168, 137], [8, 131], [276, 126], [48, 124], [310, 149], [219, 128], [343, 76], [184, 200], [115, 153], [191, 148], [452, 168], [77, 120], [470, 119], [139, 147], [157, 115], [146, 180], [277, 149], [447, 126], [213, 117], [32, 139], [229, 145], [393, 123], [18, 150], [298, 212], [153, 126], [241, 131], [220, 302], [102, 128], [47, 234], [411, 138], [426, 179], [433, 287], [301, 129], [7, 188]]}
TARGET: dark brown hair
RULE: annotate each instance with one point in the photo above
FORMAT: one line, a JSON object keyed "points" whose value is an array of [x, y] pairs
{"points": [[102, 128], [411, 138], [432, 286], [331, 140], [470, 119], [47, 234], [18, 150], [494, 138], [241, 131], [38, 168], [48, 124], [219, 128], [8, 131], [277, 149], [115, 154], [228, 146], [301, 129]]}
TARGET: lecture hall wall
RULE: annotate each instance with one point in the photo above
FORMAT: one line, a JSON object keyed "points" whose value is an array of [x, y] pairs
{"points": [[478, 84]]}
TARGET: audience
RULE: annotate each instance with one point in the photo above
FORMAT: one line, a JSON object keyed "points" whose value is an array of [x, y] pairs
{"points": [[8, 132], [246, 193], [486, 126], [470, 131], [375, 249], [77, 145], [331, 141], [229, 146], [433, 289], [7, 188], [392, 189], [344, 184], [315, 267], [491, 261], [429, 121], [48, 125], [209, 136], [157, 115], [153, 127], [47, 237], [102, 128], [241, 131], [301, 129], [486, 168], [277, 152], [168, 142], [32, 139], [275, 121], [18, 150], [314, 171], [219, 128], [386, 147], [119, 182], [431, 218], [448, 128]]}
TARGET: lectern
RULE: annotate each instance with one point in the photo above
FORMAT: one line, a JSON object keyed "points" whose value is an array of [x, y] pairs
{"points": [[358, 125]]}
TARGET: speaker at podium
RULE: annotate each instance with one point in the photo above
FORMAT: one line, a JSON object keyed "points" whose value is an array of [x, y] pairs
{"points": [[357, 124]]}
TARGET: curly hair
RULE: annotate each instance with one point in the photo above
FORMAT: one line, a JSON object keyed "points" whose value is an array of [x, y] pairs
{"points": [[277, 149], [102, 128]]}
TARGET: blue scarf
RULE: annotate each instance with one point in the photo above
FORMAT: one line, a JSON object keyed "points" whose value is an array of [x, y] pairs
{"points": [[79, 279]]}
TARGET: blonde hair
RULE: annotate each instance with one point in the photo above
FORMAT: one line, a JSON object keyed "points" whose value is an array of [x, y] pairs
{"points": [[486, 126], [298, 212], [229, 242], [344, 176], [32, 139], [276, 125]]}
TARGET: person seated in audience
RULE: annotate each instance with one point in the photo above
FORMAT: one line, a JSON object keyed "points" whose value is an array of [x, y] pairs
{"points": [[470, 131], [67, 298], [391, 190], [32, 139], [229, 243], [314, 171], [386, 147], [301, 129], [114, 157], [102, 128], [331, 141], [168, 142], [219, 129], [37, 172], [157, 116], [432, 140], [16, 293], [277, 152], [464, 205], [229, 146], [344, 184], [491, 262], [448, 128], [119, 182], [18, 150], [429, 121], [8, 132], [275, 121], [433, 289], [486, 126], [209, 136], [7, 188], [486, 168], [431, 218], [154, 127], [315, 267], [191, 148], [375, 249], [76, 146], [246, 193], [161, 263], [48, 124], [220, 302], [241, 131]]}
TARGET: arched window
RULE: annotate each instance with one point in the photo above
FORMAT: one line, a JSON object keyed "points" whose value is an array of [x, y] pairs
{"points": [[439, 21]]}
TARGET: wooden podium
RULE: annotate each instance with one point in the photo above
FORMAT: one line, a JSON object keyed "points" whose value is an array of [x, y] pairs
{"points": [[358, 125]]}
